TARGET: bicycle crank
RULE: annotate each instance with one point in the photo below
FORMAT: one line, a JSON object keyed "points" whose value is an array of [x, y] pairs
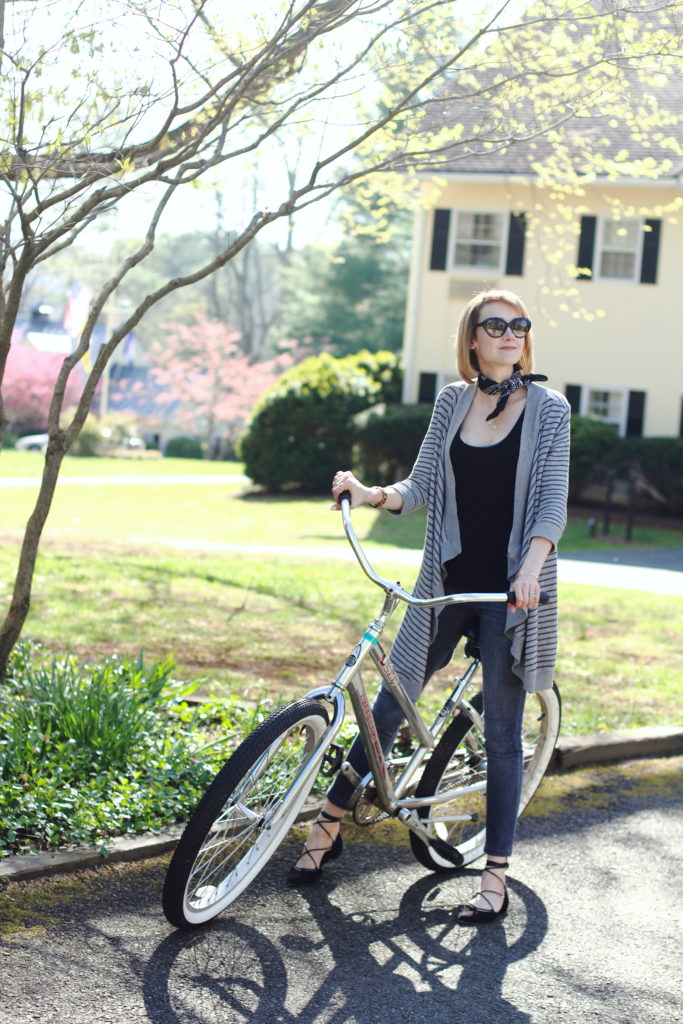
{"points": [[440, 846]]}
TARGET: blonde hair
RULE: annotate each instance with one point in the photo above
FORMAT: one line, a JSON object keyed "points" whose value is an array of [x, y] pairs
{"points": [[466, 357]]}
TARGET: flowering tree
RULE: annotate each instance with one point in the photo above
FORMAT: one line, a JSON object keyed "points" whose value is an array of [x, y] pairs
{"points": [[203, 380], [30, 378]]}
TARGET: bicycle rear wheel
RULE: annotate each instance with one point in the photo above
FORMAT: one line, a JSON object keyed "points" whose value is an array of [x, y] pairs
{"points": [[244, 815], [459, 761]]}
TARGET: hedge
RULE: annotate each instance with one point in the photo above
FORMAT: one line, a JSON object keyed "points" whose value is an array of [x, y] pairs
{"points": [[388, 439], [301, 430], [596, 450]]}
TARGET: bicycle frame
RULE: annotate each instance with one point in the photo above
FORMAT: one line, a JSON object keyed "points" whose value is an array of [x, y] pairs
{"points": [[390, 795]]}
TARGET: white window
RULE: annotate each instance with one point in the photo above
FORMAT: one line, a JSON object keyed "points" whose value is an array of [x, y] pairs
{"points": [[479, 240], [605, 405], [444, 378], [619, 248]]}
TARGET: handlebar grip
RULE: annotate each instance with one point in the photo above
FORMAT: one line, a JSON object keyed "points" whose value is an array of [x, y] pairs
{"points": [[345, 495], [544, 598]]}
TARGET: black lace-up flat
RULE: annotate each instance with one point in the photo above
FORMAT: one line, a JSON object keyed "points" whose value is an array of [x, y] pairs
{"points": [[473, 915], [308, 876]]}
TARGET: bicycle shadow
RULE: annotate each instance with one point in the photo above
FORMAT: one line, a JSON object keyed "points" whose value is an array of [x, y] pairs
{"points": [[381, 964]]}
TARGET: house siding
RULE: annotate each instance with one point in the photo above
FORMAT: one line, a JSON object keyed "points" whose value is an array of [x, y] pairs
{"points": [[623, 343]]}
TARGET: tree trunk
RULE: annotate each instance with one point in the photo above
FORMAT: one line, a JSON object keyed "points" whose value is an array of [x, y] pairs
{"points": [[21, 595]]}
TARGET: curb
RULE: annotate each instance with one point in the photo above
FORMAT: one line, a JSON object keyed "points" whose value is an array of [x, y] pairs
{"points": [[619, 745], [571, 752]]}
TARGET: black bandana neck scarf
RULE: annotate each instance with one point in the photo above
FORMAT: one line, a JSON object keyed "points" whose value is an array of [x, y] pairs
{"points": [[505, 388]]}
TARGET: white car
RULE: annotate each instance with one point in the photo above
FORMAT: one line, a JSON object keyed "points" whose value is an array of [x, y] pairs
{"points": [[32, 443]]}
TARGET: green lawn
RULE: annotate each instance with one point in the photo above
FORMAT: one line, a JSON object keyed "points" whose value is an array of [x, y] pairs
{"points": [[30, 464], [261, 624], [276, 627], [220, 513]]}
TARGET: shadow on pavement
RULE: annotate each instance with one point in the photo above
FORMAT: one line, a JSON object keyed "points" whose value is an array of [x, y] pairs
{"points": [[342, 965]]}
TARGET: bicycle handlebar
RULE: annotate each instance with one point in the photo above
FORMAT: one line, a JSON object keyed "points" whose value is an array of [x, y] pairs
{"points": [[397, 590]]}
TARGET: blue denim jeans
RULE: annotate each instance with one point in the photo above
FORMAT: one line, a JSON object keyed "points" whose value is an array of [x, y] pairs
{"points": [[503, 710]]}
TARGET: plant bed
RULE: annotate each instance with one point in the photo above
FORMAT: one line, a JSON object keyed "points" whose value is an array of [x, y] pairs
{"points": [[88, 752]]}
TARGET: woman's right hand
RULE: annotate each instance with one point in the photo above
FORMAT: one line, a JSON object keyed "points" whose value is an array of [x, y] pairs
{"points": [[344, 480]]}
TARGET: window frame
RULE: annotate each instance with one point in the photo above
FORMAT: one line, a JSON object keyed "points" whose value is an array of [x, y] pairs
{"points": [[462, 269], [445, 377], [603, 220], [584, 409]]}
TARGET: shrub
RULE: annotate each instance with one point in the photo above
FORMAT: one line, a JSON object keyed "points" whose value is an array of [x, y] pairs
{"points": [[593, 451], [301, 430], [660, 462], [385, 369], [88, 442], [596, 449], [9, 440], [388, 439], [184, 448]]}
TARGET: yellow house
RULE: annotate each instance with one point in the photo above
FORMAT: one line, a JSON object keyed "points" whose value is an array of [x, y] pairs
{"points": [[615, 348]]}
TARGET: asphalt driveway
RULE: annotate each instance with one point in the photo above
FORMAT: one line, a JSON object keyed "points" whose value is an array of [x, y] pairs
{"points": [[593, 931]]}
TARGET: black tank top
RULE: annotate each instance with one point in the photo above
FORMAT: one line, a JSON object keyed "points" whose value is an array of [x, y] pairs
{"points": [[485, 496]]}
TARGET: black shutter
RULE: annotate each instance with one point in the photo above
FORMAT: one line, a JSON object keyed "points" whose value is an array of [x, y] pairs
{"points": [[635, 414], [573, 395], [442, 220], [426, 391], [586, 247], [648, 266], [516, 237]]}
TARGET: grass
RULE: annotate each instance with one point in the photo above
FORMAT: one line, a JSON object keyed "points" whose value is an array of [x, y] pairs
{"points": [[276, 627], [223, 513], [256, 627], [30, 464], [261, 624]]}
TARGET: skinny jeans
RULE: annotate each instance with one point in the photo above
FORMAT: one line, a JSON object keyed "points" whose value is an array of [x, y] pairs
{"points": [[503, 710]]}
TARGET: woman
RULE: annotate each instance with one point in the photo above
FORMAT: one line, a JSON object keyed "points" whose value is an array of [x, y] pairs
{"points": [[493, 470]]}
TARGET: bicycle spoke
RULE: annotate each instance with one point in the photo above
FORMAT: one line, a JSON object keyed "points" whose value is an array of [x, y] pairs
{"points": [[233, 840]]}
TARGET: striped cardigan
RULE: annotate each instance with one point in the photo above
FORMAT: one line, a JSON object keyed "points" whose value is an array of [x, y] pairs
{"points": [[540, 509]]}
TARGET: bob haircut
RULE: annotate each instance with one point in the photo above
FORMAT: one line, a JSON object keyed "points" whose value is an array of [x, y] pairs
{"points": [[466, 358]]}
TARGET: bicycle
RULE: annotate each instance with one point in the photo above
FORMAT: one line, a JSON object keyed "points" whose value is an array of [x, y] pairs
{"points": [[437, 790]]}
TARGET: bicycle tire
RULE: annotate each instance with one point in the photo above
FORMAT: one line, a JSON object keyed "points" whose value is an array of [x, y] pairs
{"points": [[244, 815], [459, 759]]}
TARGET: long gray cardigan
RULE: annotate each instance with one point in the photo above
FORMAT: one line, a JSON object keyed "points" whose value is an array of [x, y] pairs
{"points": [[540, 510]]}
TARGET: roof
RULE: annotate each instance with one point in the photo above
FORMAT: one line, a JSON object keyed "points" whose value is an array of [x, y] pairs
{"points": [[498, 130]]}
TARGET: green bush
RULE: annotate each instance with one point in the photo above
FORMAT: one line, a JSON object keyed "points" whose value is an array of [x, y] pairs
{"points": [[388, 439], [184, 448], [301, 430], [89, 752], [659, 460], [385, 369], [9, 440], [593, 450], [88, 442]]}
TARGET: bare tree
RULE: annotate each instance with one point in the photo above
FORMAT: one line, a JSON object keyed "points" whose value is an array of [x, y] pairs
{"points": [[152, 97]]}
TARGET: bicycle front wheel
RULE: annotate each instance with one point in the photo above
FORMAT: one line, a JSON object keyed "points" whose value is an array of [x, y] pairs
{"points": [[459, 763], [244, 815]]}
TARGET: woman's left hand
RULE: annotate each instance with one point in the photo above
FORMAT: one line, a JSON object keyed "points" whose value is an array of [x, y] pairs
{"points": [[527, 591]]}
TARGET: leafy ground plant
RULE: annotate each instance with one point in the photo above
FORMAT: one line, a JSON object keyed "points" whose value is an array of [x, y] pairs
{"points": [[92, 751]]}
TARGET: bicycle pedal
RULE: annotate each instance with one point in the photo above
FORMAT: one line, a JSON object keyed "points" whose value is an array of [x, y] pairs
{"points": [[332, 759], [447, 851]]}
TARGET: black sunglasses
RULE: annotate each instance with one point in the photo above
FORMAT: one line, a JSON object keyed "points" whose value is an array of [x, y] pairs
{"points": [[496, 327]]}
